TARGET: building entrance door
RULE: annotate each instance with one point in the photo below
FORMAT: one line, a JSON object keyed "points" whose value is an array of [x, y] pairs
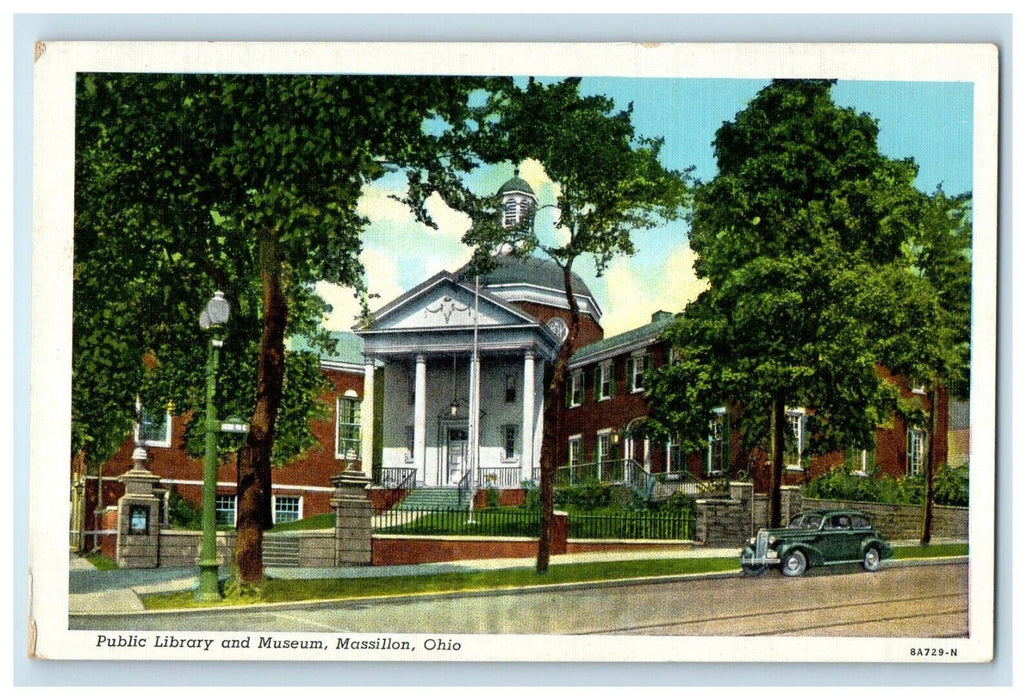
{"points": [[458, 439]]}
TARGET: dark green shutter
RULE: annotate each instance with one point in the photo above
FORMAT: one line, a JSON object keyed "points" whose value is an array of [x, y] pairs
{"points": [[726, 442]]}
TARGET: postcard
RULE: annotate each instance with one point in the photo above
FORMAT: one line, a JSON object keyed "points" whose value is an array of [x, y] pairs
{"points": [[524, 352]]}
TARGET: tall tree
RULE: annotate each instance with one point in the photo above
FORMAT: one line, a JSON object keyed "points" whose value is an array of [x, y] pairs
{"points": [[611, 184], [803, 216], [244, 183]]}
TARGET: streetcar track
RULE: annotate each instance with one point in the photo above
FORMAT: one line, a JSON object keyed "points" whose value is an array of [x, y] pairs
{"points": [[780, 613], [888, 618]]}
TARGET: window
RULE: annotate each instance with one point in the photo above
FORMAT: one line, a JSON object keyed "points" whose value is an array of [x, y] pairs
{"points": [[510, 388], [576, 388], [226, 509], [603, 446], [575, 449], [718, 443], [349, 426], [916, 385], [856, 460], [287, 509], [916, 445], [637, 367], [604, 381], [796, 421], [509, 441], [154, 430]]}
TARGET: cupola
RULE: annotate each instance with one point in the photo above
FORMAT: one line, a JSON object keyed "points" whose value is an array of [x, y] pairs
{"points": [[518, 202]]}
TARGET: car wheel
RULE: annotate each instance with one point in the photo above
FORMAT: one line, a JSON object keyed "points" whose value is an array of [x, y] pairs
{"points": [[794, 564], [754, 569], [872, 559]]}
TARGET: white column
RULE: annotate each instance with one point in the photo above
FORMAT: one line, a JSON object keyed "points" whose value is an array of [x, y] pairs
{"points": [[367, 417], [527, 424], [419, 420]]}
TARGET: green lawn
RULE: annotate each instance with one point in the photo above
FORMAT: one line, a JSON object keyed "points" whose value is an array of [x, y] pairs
{"points": [[101, 562], [290, 590], [324, 521]]}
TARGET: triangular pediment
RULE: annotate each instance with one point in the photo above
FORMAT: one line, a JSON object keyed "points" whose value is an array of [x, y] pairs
{"points": [[443, 303]]}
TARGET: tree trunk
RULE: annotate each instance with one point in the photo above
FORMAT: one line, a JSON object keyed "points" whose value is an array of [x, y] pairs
{"points": [[254, 467], [778, 445], [927, 515], [552, 410]]}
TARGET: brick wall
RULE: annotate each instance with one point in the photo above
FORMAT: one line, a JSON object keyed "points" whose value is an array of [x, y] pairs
{"points": [[408, 549]]}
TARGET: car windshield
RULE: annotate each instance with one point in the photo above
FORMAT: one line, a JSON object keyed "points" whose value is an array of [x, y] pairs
{"points": [[806, 521]]}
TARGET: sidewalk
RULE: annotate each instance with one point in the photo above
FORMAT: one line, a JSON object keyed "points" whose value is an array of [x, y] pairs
{"points": [[92, 591]]}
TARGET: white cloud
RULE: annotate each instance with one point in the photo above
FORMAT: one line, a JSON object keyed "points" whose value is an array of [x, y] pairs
{"points": [[382, 279], [680, 283], [634, 289]]}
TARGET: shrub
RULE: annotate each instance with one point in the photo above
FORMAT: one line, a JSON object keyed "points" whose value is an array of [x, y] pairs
{"points": [[181, 513], [590, 496], [841, 485], [492, 497], [950, 486], [532, 496]]}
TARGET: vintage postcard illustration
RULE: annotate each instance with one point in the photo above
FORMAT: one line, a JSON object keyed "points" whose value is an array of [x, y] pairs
{"points": [[589, 352]]}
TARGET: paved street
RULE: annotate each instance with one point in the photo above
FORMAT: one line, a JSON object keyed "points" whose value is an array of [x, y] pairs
{"points": [[922, 600]]}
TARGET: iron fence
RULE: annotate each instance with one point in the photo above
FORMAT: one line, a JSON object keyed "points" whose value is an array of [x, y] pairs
{"points": [[632, 526], [489, 522], [522, 522]]}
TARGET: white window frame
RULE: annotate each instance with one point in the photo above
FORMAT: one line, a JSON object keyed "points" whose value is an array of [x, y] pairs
{"points": [[353, 397], [603, 437], [796, 419], [917, 444], [606, 381], [218, 510], [862, 463], [167, 442], [514, 454], [277, 498], [578, 441], [720, 415], [577, 388], [638, 372]]}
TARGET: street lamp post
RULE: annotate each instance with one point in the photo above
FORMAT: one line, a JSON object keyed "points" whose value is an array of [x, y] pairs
{"points": [[215, 315]]}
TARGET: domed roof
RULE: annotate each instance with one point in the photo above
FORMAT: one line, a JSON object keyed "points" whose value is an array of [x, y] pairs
{"points": [[530, 270], [516, 184]]}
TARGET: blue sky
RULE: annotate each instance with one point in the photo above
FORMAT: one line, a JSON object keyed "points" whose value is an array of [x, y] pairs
{"points": [[931, 122]]}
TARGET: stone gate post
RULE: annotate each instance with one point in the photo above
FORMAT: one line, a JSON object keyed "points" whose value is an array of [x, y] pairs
{"points": [[353, 529], [139, 525]]}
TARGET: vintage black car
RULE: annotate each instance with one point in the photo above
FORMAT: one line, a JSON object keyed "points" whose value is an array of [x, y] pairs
{"points": [[816, 538]]}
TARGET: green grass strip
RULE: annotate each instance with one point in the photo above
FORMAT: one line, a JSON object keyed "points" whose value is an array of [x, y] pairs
{"points": [[101, 562], [296, 590], [293, 590], [931, 551], [324, 521]]}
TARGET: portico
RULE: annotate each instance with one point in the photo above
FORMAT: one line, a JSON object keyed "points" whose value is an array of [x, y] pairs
{"points": [[463, 384]]}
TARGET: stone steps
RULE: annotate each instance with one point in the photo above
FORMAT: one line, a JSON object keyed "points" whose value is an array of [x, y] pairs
{"points": [[431, 499], [280, 550]]}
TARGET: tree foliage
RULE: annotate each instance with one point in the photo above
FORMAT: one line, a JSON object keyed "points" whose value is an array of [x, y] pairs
{"points": [[611, 184], [803, 236], [246, 183]]}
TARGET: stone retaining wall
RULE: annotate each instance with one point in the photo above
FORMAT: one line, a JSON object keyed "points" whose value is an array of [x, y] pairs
{"points": [[730, 521], [179, 548], [904, 522]]}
